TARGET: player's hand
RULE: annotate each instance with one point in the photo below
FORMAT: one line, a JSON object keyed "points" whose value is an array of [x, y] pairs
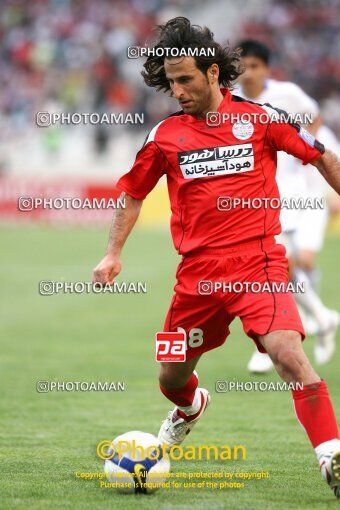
{"points": [[107, 269]]}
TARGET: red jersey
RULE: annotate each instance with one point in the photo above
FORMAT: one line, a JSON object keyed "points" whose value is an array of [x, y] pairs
{"points": [[203, 163]]}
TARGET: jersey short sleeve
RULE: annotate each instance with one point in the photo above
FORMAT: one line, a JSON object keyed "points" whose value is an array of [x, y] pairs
{"points": [[149, 166], [295, 140]]}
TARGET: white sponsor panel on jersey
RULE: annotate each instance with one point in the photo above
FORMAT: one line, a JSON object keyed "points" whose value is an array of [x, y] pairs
{"points": [[216, 161]]}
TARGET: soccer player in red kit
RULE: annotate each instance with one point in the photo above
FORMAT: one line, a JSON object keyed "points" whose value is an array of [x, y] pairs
{"points": [[205, 160]]}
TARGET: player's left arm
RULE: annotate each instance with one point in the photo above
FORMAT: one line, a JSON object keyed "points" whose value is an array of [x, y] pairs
{"points": [[295, 140], [315, 125], [329, 167]]}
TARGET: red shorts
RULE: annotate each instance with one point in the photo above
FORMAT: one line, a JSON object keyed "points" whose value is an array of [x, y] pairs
{"points": [[205, 310]]}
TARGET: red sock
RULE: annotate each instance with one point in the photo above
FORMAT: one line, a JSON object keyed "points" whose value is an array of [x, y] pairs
{"points": [[315, 412], [182, 396]]}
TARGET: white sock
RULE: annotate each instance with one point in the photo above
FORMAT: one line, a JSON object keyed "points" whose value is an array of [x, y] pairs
{"points": [[195, 406], [310, 301], [327, 447]]}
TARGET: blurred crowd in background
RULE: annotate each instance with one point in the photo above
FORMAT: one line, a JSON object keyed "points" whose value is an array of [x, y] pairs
{"points": [[304, 38], [71, 56]]}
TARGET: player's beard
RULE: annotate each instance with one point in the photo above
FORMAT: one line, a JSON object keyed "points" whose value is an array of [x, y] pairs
{"points": [[202, 104]]}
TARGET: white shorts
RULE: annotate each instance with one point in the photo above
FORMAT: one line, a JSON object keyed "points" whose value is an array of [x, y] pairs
{"points": [[288, 241], [311, 229], [290, 219]]}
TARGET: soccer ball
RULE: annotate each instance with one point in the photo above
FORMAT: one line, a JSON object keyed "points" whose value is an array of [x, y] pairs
{"points": [[137, 463]]}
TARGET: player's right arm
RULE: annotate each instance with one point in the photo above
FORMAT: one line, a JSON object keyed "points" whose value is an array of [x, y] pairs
{"points": [[122, 224], [149, 166]]}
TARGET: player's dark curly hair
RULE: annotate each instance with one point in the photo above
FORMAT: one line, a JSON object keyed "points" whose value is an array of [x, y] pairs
{"points": [[180, 33]]}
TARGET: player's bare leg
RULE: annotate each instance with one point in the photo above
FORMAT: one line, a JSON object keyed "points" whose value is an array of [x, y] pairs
{"points": [[313, 406], [179, 383], [285, 349], [176, 375], [261, 363]]}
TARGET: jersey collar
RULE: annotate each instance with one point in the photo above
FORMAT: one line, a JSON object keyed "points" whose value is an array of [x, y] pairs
{"points": [[226, 100]]}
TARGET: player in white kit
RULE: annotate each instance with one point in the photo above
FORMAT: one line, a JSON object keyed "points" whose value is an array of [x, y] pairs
{"points": [[255, 85], [308, 242]]}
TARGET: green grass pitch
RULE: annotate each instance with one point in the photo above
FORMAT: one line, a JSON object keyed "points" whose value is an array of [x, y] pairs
{"points": [[47, 438]]}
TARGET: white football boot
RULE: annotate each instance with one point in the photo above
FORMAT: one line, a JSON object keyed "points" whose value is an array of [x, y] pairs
{"points": [[260, 363], [174, 429], [330, 471], [325, 340]]}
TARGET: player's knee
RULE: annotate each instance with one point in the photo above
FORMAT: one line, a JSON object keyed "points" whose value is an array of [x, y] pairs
{"points": [[306, 260], [307, 265], [286, 360], [287, 355]]}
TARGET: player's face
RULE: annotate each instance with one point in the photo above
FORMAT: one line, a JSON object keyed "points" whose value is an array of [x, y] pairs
{"points": [[188, 85], [256, 72]]}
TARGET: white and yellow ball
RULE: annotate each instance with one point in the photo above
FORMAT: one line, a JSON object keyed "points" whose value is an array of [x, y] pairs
{"points": [[137, 463]]}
